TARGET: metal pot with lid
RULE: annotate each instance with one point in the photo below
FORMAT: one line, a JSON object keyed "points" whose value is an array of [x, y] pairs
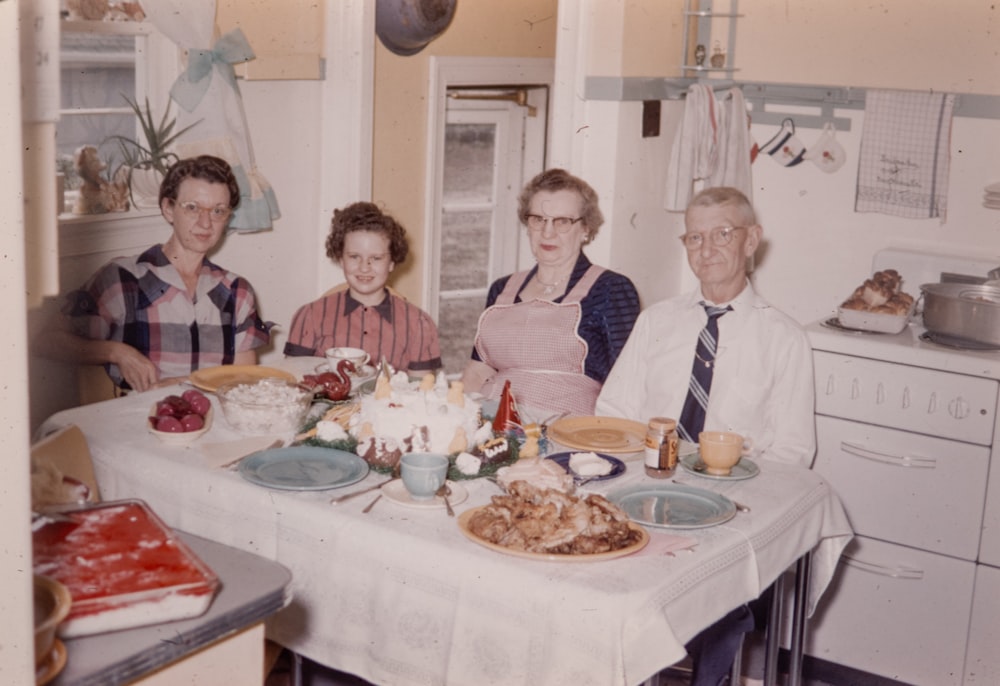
{"points": [[966, 311]]}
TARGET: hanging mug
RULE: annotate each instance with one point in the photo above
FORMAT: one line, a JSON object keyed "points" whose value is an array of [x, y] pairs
{"points": [[785, 147], [826, 153]]}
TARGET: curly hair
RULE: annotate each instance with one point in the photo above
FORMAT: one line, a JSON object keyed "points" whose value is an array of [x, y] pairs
{"points": [[552, 180], [204, 167], [366, 216]]}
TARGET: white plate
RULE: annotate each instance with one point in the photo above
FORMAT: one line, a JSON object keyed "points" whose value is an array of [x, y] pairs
{"points": [[397, 493]]}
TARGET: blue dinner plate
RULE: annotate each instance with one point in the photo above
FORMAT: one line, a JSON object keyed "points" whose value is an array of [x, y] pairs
{"points": [[672, 506], [562, 459], [303, 468]]}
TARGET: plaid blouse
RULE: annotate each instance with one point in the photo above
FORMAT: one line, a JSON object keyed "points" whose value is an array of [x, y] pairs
{"points": [[608, 313], [395, 329], [142, 301]]}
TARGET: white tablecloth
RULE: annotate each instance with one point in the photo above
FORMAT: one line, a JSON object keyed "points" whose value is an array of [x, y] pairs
{"points": [[400, 596]]}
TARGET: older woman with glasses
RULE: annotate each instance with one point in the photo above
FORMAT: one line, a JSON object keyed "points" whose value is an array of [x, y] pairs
{"points": [[555, 330], [364, 313], [154, 317]]}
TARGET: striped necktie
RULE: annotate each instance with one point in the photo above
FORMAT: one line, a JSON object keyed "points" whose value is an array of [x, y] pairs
{"points": [[695, 405]]}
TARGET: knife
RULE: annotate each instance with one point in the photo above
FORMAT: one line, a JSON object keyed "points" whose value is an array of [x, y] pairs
{"points": [[342, 498]]}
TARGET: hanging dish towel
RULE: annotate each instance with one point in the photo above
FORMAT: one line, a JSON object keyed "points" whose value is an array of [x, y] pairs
{"points": [[712, 147], [905, 154], [692, 157]]}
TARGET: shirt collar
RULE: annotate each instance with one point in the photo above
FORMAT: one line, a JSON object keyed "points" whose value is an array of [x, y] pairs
{"points": [[384, 308]]}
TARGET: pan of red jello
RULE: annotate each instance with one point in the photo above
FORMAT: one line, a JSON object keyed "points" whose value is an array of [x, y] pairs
{"points": [[123, 567]]}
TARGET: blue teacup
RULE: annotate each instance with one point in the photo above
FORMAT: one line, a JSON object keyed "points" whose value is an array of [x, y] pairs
{"points": [[423, 474]]}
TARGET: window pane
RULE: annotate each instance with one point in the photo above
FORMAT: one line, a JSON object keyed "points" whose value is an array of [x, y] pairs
{"points": [[97, 72], [465, 250], [457, 321], [469, 159]]}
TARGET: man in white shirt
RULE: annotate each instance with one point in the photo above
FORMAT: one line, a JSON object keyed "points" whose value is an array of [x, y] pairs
{"points": [[761, 374], [762, 381]]}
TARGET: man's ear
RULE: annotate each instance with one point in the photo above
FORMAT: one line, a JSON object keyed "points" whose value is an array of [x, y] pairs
{"points": [[755, 234]]}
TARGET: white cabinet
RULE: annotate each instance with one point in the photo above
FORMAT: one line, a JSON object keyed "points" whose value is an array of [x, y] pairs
{"points": [[898, 612], [908, 450], [982, 662]]}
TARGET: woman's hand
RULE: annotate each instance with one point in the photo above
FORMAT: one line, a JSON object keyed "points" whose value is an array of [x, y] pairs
{"points": [[137, 369], [475, 375]]}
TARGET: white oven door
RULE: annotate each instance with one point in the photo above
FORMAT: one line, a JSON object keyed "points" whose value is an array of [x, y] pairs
{"points": [[911, 489]]}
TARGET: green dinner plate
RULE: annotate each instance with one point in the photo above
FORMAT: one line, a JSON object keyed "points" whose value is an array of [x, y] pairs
{"points": [[303, 468]]}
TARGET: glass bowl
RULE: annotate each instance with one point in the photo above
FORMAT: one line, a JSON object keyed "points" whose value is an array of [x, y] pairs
{"points": [[265, 406]]}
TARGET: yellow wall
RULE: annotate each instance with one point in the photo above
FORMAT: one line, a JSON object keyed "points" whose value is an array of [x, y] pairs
{"points": [[904, 44], [512, 28]]}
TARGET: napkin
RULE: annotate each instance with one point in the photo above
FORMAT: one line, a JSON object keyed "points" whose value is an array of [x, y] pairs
{"points": [[221, 454], [667, 544]]}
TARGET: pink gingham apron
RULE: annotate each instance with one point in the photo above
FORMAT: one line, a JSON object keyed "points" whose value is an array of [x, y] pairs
{"points": [[535, 345]]}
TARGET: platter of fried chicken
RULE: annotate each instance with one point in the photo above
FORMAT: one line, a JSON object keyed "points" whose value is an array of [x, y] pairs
{"points": [[878, 305], [550, 524]]}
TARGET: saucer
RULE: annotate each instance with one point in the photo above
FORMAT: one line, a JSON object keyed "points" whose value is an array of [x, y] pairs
{"points": [[744, 469], [397, 493], [365, 372]]}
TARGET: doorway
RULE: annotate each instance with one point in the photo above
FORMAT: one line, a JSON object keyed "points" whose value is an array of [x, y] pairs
{"points": [[489, 141]]}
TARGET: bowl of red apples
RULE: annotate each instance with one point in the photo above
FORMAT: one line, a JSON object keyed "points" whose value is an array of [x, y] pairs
{"points": [[181, 419]]}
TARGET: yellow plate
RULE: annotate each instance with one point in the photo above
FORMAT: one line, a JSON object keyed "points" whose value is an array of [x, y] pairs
{"points": [[463, 525], [599, 434], [210, 378]]}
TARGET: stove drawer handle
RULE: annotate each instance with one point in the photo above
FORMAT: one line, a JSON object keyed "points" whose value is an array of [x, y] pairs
{"points": [[910, 461], [899, 572]]}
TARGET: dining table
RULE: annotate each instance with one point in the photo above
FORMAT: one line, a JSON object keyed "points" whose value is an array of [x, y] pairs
{"points": [[398, 593]]}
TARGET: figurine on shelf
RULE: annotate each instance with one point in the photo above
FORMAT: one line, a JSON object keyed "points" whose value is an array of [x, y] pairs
{"points": [[699, 55], [718, 58]]}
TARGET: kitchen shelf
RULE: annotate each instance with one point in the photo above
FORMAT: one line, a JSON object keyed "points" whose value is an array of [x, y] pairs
{"points": [[761, 94], [701, 33]]}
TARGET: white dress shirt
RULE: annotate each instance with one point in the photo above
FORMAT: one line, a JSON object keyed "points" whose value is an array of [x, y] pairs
{"points": [[762, 386]]}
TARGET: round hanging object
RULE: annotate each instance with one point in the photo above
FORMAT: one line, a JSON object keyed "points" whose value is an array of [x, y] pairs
{"points": [[406, 26]]}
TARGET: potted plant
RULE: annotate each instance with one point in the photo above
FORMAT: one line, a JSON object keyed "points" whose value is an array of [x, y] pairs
{"points": [[147, 161]]}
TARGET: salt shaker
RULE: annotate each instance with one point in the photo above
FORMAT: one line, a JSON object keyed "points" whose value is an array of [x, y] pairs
{"points": [[661, 447]]}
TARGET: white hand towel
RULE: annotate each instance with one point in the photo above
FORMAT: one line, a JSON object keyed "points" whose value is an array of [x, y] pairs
{"points": [[692, 157], [905, 154]]}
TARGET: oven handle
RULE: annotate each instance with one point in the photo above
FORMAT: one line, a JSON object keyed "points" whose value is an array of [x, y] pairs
{"points": [[899, 572], [888, 458]]}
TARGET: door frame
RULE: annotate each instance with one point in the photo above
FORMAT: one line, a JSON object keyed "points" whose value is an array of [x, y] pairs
{"points": [[447, 72]]}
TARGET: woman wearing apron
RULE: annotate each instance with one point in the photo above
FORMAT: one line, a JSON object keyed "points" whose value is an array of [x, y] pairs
{"points": [[555, 330]]}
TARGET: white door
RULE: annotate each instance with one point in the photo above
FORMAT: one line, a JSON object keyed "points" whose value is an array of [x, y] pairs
{"points": [[486, 161]]}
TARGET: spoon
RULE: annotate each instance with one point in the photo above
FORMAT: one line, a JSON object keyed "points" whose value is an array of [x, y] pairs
{"points": [[369, 506], [380, 484], [444, 492]]}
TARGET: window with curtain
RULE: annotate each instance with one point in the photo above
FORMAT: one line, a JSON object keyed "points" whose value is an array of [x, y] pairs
{"points": [[102, 63]]}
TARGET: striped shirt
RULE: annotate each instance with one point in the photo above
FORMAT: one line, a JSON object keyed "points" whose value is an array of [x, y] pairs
{"points": [[608, 312], [141, 300], [394, 329]]}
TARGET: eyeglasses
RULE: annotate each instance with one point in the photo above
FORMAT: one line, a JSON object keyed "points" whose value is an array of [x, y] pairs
{"points": [[355, 260], [720, 235], [217, 214], [536, 222]]}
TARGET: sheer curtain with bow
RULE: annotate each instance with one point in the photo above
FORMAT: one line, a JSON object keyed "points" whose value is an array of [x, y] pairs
{"points": [[207, 93]]}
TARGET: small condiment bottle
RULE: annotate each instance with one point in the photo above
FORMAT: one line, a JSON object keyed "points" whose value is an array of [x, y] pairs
{"points": [[661, 447]]}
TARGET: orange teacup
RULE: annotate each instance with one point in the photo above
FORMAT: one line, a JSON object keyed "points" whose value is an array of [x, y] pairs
{"points": [[720, 451]]}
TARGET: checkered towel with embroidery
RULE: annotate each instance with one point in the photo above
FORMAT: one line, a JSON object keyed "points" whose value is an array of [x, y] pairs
{"points": [[905, 154]]}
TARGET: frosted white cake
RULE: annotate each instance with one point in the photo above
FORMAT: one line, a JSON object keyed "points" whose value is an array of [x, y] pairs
{"points": [[404, 416]]}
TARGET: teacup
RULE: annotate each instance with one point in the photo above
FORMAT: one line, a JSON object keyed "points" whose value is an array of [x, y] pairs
{"points": [[720, 451], [423, 474], [356, 355]]}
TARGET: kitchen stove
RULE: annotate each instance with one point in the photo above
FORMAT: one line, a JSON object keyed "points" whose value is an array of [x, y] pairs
{"points": [[907, 431]]}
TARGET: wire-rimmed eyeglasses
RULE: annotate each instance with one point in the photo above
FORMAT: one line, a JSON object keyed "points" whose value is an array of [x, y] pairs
{"points": [[720, 236], [217, 214]]}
